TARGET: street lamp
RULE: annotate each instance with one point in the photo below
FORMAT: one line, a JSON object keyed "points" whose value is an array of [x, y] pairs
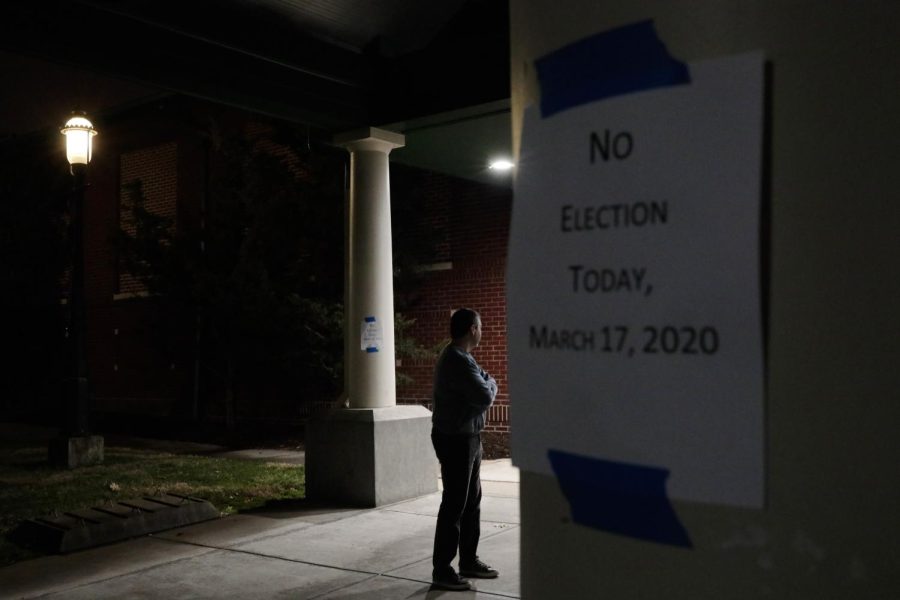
{"points": [[79, 132], [76, 447]]}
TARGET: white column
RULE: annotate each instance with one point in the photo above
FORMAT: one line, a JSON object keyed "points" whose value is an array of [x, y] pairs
{"points": [[369, 311]]}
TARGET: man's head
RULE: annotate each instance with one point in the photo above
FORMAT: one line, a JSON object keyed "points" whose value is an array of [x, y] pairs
{"points": [[465, 327]]}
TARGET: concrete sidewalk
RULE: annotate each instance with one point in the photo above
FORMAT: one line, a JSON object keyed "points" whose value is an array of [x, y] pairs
{"points": [[295, 550]]}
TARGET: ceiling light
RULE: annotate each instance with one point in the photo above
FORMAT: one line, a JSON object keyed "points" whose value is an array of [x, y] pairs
{"points": [[501, 165]]}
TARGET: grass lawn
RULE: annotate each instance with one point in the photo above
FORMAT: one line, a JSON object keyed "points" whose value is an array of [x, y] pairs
{"points": [[30, 488]]}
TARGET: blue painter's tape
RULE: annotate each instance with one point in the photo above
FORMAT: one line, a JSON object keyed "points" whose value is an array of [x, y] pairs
{"points": [[371, 350], [620, 61], [370, 319], [620, 498]]}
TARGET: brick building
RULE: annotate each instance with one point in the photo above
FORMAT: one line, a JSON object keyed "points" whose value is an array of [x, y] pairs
{"points": [[129, 371], [470, 223], [163, 144]]}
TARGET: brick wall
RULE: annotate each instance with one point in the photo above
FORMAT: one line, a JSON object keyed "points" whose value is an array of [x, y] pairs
{"points": [[131, 370], [157, 169], [468, 223]]}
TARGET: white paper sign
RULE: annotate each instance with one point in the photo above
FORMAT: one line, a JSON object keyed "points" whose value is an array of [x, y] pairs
{"points": [[633, 284], [371, 335]]}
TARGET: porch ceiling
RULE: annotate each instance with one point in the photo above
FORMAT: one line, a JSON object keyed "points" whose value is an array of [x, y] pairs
{"points": [[333, 64]]}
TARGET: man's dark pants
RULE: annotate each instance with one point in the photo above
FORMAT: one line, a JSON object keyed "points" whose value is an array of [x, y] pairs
{"points": [[459, 518]]}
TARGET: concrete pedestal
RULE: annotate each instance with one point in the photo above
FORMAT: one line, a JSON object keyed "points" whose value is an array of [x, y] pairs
{"points": [[371, 456], [76, 451]]}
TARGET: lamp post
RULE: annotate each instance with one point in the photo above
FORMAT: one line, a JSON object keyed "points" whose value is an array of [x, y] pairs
{"points": [[76, 447]]}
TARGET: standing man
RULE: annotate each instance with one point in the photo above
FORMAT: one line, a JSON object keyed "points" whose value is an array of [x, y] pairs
{"points": [[463, 392]]}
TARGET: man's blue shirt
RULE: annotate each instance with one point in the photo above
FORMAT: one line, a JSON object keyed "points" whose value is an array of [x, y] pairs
{"points": [[463, 392]]}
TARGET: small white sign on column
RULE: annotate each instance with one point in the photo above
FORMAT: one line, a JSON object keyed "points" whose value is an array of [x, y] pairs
{"points": [[371, 336]]}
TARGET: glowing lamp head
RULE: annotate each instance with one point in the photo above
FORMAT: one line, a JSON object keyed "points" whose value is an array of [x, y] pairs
{"points": [[79, 134], [501, 165]]}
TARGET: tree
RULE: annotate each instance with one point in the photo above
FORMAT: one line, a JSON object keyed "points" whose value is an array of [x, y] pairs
{"points": [[34, 188], [261, 275]]}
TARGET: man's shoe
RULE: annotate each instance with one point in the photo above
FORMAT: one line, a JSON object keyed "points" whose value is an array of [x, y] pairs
{"points": [[449, 580], [479, 570]]}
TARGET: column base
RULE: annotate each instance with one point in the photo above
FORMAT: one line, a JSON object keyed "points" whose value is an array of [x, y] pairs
{"points": [[76, 451], [371, 456]]}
